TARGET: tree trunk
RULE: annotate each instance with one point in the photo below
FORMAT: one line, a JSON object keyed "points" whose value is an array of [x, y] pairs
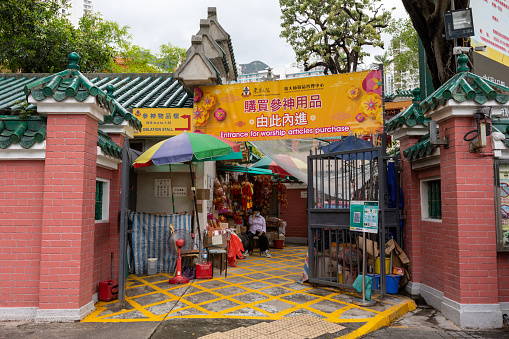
{"points": [[428, 20]]}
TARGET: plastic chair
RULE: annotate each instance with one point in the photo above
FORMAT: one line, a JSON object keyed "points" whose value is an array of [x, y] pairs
{"points": [[252, 246]]}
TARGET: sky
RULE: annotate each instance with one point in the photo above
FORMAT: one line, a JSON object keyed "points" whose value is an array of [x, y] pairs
{"points": [[254, 26]]}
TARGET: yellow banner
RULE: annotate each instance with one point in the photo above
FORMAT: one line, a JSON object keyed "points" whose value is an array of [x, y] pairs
{"points": [[164, 122], [309, 107]]}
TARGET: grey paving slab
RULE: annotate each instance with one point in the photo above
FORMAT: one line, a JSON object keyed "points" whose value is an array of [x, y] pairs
{"points": [[274, 306], [276, 291], [151, 299], [163, 308], [220, 305], [230, 290], [299, 298], [256, 285], [139, 290], [250, 297]]}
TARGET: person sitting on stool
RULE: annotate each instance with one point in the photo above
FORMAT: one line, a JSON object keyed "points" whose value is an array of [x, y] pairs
{"points": [[257, 227]]}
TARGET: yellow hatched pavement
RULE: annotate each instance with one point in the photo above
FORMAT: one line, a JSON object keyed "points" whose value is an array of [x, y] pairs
{"points": [[258, 288]]}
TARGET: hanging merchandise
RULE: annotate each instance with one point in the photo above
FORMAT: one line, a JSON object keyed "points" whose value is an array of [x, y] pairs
{"points": [[281, 195], [220, 200], [247, 196], [266, 195]]}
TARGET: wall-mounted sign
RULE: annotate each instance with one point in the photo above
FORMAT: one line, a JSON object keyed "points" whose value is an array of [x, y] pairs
{"points": [[164, 121], [502, 204], [180, 191], [162, 188], [364, 216], [309, 107], [491, 23]]}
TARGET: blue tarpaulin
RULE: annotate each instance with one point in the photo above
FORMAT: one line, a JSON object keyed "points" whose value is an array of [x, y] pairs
{"points": [[150, 233]]}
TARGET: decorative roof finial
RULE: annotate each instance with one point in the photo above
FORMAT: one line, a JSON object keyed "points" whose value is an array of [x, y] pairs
{"points": [[109, 90], [462, 62], [73, 61], [417, 95]]}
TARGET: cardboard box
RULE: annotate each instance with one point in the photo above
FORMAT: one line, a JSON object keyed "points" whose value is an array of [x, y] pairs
{"points": [[203, 194], [223, 225], [219, 241], [330, 268]]}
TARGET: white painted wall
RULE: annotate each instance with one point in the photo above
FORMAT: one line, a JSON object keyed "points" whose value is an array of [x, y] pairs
{"points": [[148, 203]]}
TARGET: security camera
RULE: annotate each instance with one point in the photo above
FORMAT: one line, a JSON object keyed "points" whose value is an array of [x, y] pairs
{"points": [[466, 50]]}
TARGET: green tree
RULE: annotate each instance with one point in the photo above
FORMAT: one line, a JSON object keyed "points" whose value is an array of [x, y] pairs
{"points": [[384, 59], [31, 34], [332, 32], [428, 20], [170, 57], [34, 39], [98, 42], [404, 50]]}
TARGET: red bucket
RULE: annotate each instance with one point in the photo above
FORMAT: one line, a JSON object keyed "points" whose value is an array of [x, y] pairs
{"points": [[279, 243], [108, 290], [204, 270]]}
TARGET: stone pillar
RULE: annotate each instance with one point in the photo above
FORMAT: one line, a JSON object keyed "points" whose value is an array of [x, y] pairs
{"points": [[469, 232], [67, 245]]}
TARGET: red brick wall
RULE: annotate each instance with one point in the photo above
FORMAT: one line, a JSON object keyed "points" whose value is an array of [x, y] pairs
{"points": [[457, 255], [21, 191], [411, 213], [468, 217], [431, 247], [296, 215], [67, 256], [106, 236], [503, 276]]}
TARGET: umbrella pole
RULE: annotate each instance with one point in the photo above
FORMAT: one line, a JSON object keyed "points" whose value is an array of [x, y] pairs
{"points": [[172, 196], [193, 189]]}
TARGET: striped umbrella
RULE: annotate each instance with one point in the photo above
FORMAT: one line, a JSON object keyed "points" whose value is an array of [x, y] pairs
{"points": [[186, 147]]}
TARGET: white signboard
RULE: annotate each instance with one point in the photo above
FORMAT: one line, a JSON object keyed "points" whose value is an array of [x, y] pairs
{"points": [[180, 191], [162, 188]]}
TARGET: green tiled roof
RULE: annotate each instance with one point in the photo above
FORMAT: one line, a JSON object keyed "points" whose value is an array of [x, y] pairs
{"points": [[461, 87], [411, 116], [420, 149], [108, 146], [30, 130], [127, 91], [24, 132], [400, 93]]}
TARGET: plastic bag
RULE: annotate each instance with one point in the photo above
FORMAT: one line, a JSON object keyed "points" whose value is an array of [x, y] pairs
{"points": [[189, 272], [368, 282]]}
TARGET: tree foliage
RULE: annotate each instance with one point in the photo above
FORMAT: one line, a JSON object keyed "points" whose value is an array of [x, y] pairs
{"points": [[34, 38], [31, 34], [331, 33], [404, 51], [428, 20]]}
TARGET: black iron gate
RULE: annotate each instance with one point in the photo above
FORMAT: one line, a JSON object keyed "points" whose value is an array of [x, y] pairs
{"points": [[334, 180]]}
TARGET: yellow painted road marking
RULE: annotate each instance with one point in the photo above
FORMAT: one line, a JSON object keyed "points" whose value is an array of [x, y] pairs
{"points": [[288, 264]]}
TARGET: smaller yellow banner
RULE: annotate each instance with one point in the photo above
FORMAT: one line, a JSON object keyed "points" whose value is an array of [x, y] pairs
{"points": [[164, 122]]}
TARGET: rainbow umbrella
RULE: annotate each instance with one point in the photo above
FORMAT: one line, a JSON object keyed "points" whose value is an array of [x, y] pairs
{"points": [[186, 147]]}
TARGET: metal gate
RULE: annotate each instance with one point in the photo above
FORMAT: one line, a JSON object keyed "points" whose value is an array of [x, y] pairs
{"points": [[334, 180]]}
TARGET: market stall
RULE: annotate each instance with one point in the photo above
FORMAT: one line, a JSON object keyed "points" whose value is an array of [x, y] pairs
{"points": [[236, 190]]}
